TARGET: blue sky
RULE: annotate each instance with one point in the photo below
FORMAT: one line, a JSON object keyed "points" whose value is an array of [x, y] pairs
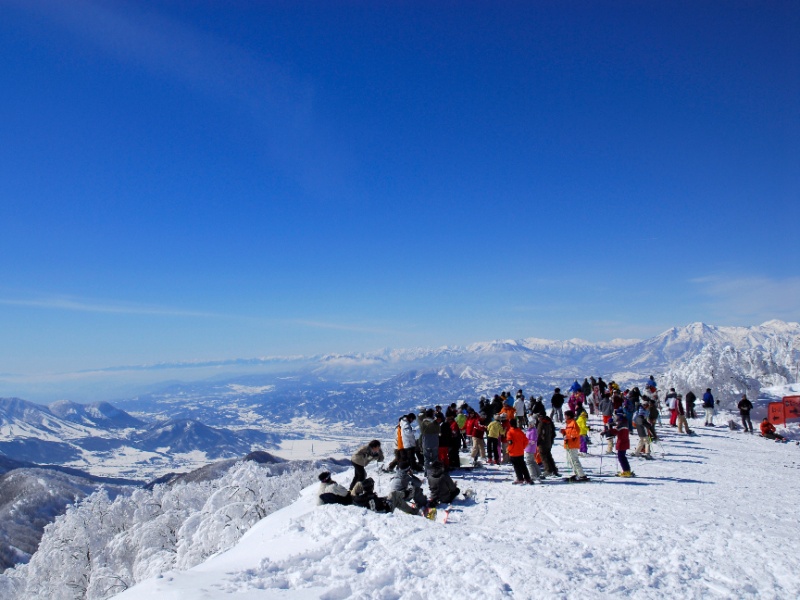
{"points": [[207, 180]]}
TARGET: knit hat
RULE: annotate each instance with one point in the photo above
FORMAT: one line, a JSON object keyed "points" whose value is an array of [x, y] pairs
{"points": [[325, 476]]}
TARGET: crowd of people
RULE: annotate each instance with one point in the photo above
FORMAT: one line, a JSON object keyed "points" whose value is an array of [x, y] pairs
{"points": [[517, 431]]}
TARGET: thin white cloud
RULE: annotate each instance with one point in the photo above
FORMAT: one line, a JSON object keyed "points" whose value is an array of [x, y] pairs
{"points": [[751, 298], [90, 306]]}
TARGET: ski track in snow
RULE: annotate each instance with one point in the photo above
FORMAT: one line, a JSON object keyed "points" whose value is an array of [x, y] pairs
{"points": [[715, 518]]}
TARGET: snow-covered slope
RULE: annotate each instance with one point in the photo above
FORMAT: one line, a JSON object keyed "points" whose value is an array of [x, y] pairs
{"points": [[710, 518]]}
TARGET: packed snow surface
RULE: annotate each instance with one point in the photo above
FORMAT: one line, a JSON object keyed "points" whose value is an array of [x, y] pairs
{"points": [[714, 516]]}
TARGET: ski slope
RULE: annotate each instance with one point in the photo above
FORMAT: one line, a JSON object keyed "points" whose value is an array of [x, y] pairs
{"points": [[714, 518]]}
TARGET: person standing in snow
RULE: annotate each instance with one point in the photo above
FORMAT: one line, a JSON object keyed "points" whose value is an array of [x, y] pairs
{"points": [[671, 399], [331, 492], [639, 420], [429, 433], [606, 408], [745, 406], [583, 427], [537, 407], [476, 428], [520, 410], [546, 435], [405, 443], [556, 402], [493, 432], [690, 400], [681, 420], [620, 431], [586, 388], [572, 442], [708, 405], [362, 457], [517, 442], [530, 452]]}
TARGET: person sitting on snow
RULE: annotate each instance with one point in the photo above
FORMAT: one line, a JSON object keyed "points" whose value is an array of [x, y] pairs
{"points": [[768, 430], [331, 492], [442, 487], [364, 496], [406, 487]]}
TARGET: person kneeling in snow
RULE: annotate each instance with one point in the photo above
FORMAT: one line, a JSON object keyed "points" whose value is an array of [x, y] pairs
{"points": [[364, 496], [405, 487], [331, 492], [442, 487]]}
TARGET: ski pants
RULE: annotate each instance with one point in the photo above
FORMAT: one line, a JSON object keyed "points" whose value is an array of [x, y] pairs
{"points": [[584, 444], [557, 412], [431, 454], [520, 469], [683, 424], [494, 452], [478, 447], [397, 502], [644, 446], [360, 474], [623, 460], [673, 416], [747, 423], [533, 466], [575, 462], [709, 415], [547, 460]]}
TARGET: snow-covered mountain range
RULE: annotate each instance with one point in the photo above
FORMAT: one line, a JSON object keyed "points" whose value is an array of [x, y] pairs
{"points": [[372, 389]]}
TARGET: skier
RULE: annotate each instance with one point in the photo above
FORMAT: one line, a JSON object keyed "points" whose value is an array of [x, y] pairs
{"points": [[708, 405], [556, 402], [362, 457], [572, 441], [639, 420], [745, 406], [620, 431], [517, 442]]}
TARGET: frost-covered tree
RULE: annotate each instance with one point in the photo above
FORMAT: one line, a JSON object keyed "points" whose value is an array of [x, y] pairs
{"points": [[99, 548]]}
